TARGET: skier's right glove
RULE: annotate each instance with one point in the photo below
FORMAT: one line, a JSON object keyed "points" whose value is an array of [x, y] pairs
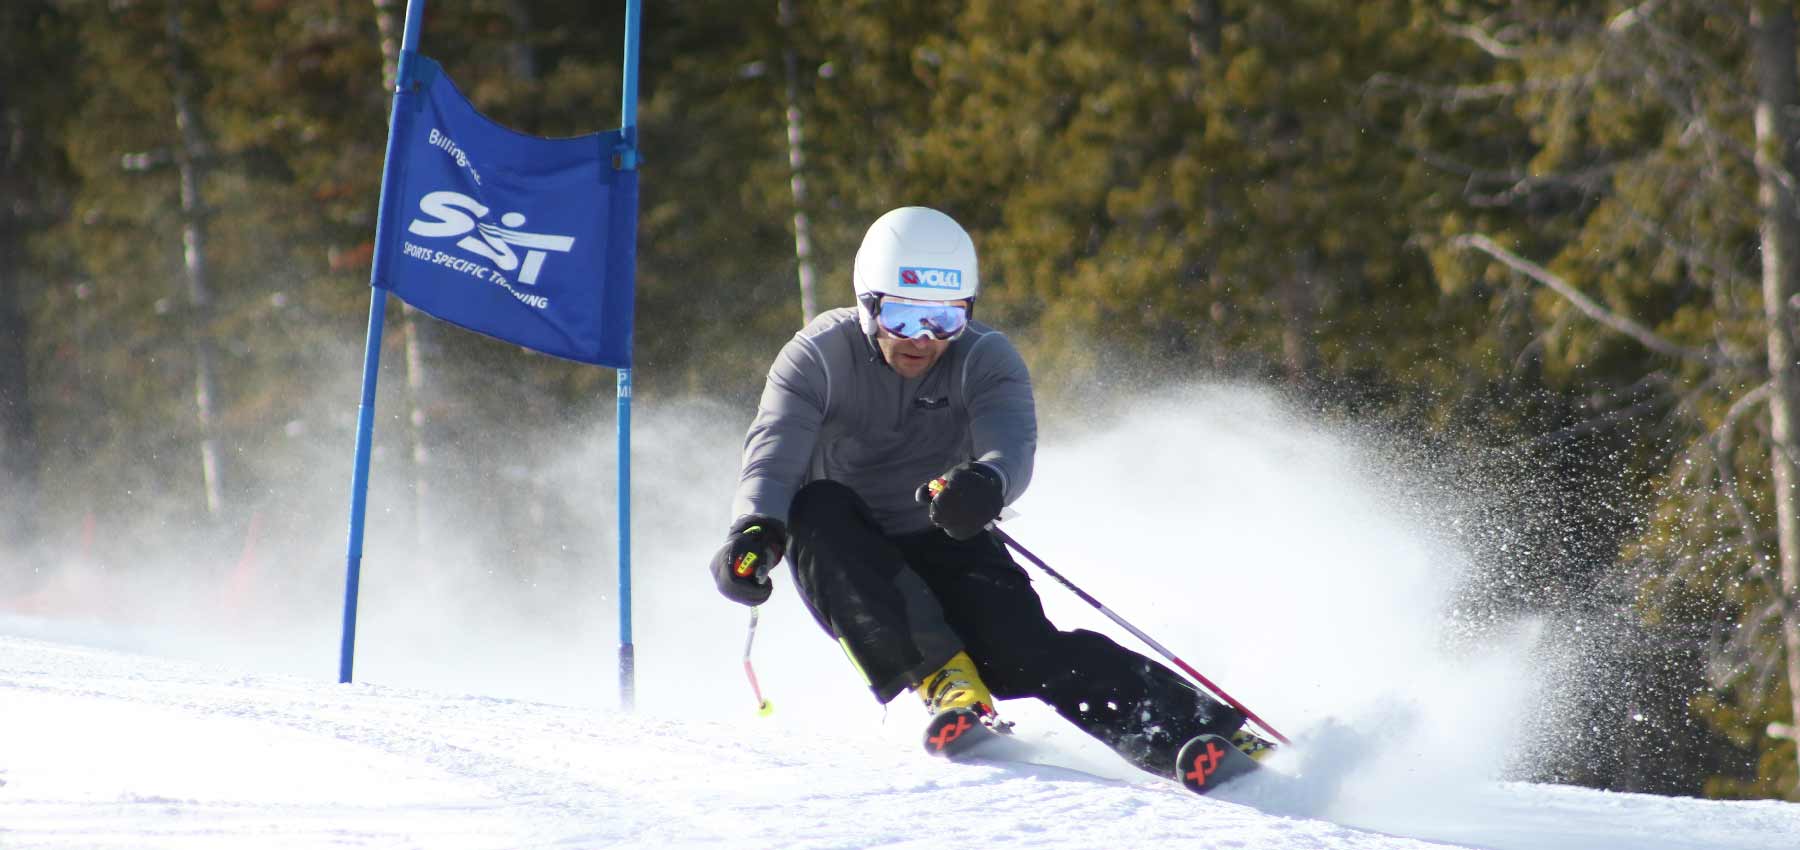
{"points": [[965, 499], [751, 550]]}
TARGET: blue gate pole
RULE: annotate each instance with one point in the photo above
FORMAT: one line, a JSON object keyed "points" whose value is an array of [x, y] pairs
{"points": [[628, 129], [627, 661], [365, 420]]}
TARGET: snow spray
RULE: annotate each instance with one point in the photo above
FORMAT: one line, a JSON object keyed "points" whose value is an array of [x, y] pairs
{"points": [[1305, 565]]}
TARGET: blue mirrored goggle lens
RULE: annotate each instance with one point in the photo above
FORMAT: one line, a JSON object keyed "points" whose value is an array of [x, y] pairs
{"points": [[915, 321]]}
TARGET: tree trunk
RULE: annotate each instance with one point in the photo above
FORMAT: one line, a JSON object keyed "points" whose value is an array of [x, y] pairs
{"points": [[809, 302], [1203, 29], [521, 59], [389, 20], [1299, 314], [190, 160], [1778, 95], [18, 436], [1204, 43]]}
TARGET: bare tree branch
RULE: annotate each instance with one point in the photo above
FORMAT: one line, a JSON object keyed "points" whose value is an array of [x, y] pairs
{"points": [[1695, 255], [1460, 94], [1742, 406], [1644, 336], [1589, 426], [1678, 92], [1486, 41], [1723, 445], [1631, 17]]}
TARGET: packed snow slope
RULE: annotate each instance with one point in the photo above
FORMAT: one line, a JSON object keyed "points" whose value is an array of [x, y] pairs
{"points": [[107, 750], [1313, 572]]}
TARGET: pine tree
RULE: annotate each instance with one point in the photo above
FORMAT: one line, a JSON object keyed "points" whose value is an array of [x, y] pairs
{"points": [[1628, 226], [34, 182]]}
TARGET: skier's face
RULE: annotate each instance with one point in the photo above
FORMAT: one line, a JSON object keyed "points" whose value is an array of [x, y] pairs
{"points": [[911, 358]]}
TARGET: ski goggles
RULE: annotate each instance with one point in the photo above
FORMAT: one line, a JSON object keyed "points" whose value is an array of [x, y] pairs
{"points": [[921, 319]]}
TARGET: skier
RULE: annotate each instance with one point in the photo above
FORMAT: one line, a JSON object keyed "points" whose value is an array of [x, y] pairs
{"points": [[888, 437]]}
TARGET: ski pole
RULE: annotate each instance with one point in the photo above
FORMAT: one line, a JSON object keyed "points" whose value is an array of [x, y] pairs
{"points": [[763, 707], [1151, 642]]}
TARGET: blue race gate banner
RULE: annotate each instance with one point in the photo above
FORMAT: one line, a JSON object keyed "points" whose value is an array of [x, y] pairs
{"points": [[532, 241], [525, 239]]}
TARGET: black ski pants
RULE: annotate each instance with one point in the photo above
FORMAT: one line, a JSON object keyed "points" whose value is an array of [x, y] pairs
{"points": [[902, 605]]}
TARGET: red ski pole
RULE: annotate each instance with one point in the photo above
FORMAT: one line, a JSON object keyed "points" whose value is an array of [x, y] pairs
{"points": [[1148, 640]]}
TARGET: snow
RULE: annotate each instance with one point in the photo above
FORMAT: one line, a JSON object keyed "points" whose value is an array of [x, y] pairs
{"points": [[104, 749], [480, 721]]}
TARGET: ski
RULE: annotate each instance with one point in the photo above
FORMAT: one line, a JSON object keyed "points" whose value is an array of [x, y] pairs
{"points": [[1209, 762], [958, 732], [1203, 765]]}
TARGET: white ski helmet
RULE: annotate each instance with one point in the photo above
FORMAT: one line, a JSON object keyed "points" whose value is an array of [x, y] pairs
{"points": [[917, 253]]}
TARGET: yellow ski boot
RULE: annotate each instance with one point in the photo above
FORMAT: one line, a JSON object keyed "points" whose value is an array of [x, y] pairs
{"points": [[962, 709]]}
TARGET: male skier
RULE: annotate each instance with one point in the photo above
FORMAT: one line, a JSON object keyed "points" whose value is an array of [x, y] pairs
{"points": [[888, 438]]}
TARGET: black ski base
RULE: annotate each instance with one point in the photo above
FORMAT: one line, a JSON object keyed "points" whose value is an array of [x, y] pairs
{"points": [[1208, 762], [959, 732]]}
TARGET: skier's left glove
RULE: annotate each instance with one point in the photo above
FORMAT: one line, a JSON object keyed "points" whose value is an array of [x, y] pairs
{"points": [[753, 548], [965, 499]]}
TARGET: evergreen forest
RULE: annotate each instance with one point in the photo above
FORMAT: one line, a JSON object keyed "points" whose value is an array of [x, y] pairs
{"points": [[1558, 242]]}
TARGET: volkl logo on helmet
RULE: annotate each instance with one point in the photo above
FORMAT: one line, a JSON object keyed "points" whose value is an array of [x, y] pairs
{"points": [[928, 278]]}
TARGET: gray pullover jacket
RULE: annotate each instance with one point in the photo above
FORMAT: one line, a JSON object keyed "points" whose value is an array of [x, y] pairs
{"points": [[833, 409]]}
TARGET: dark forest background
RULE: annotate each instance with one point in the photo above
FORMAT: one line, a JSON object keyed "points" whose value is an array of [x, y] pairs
{"points": [[1558, 237]]}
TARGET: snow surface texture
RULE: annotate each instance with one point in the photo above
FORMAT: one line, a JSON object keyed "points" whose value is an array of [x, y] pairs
{"points": [[1296, 567]]}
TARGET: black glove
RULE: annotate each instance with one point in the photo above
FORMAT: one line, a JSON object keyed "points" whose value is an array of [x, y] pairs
{"points": [[964, 500], [753, 548]]}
